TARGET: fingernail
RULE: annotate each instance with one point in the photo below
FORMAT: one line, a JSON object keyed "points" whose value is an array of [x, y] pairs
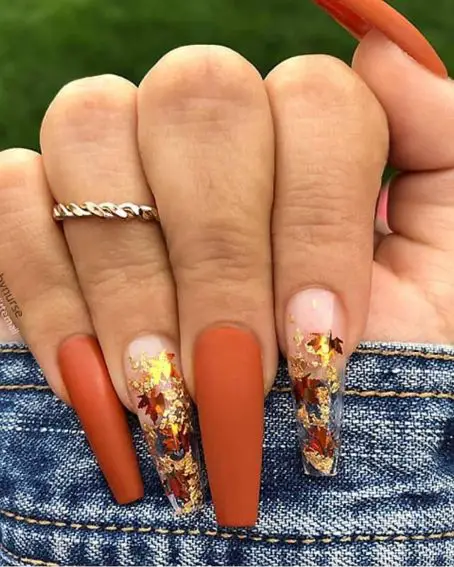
{"points": [[361, 16], [315, 330], [102, 415], [230, 398], [165, 413]]}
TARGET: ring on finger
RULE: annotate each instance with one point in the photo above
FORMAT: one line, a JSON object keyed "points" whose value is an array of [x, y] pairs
{"points": [[107, 210]]}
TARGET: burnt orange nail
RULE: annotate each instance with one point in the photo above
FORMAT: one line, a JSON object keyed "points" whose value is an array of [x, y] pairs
{"points": [[102, 415], [360, 16], [229, 394]]}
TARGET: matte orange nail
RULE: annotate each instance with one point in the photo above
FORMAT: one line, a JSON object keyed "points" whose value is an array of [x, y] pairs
{"points": [[102, 415], [360, 16], [230, 398]]}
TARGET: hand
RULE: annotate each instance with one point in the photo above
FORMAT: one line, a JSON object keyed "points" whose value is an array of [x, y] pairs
{"points": [[204, 143], [413, 277]]}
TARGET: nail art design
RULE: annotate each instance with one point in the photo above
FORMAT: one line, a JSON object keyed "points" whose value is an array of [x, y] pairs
{"points": [[315, 326], [317, 384], [165, 413]]}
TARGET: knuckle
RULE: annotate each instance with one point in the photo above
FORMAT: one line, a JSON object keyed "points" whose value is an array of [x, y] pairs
{"points": [[325, 218], [205, 80], [217, 253], [328, 86], [313, 76], [16, 166], [328, 83], [138, 273], [91, 99]]}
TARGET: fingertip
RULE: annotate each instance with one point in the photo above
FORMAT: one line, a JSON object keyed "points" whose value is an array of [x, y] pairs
{"points": [[379, 47], [359, 17], [417, 103]]}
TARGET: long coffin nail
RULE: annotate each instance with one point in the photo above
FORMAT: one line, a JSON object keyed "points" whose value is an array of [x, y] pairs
{"points": [[102, 415], [165, 412], [314, 328], [229, 394], [361, 16]]}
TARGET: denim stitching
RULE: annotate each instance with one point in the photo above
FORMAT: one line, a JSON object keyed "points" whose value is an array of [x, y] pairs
{"points": [[25, 559], [383, 393], [406, 353], [394, 394], [41, 429], [360, 351], [24, 387], [286, 389], [370, 538]]}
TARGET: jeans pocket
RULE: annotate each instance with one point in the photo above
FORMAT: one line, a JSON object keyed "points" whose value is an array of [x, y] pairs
{"points": [[391, 502]]}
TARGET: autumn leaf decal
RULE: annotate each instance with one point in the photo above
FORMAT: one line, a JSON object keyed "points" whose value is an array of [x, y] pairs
{"points": [[335, 344], [153, 403], [321, 442]]}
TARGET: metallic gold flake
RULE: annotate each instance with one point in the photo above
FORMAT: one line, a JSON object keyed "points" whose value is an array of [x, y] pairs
{"points": [[316, 369], [319, 462], [298, 338], [165, 412]]}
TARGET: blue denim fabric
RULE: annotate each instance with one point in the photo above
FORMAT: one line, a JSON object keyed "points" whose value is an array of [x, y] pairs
{"points": [[392, 502]]}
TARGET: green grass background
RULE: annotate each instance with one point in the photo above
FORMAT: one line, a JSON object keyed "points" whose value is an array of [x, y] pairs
{"points": [[46, 43]]}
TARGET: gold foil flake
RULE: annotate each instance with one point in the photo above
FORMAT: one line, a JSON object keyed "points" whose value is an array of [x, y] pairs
{"points": [[298, 366], [298, 338], [317, 383], [333, 378], [321, 463], [303, 416], [318, 345], [324, 398], [168, 428], [157, 368]]}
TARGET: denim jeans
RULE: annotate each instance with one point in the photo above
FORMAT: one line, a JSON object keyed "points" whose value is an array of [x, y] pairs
{"points": [[392, 502]]}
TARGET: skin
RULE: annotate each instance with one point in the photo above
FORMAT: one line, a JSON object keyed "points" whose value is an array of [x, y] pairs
{"points": [[264, 188]]}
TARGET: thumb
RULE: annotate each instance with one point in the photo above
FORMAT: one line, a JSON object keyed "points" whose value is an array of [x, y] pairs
{"points": [[418, 103], [420, 210]]}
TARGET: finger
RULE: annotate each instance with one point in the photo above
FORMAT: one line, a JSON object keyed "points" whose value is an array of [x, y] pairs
{"points": [[39, 284], [89, 142], [419, 104], [331, 139], [206, 139], [420, 109], [359, 17]]}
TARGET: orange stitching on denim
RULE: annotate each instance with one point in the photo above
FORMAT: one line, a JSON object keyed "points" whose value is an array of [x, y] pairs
{"points": [[287, 389], [360, 351], [383, 393], [393, 394], [370, 538], [284, 389], [24, 387], [26, 559], [406, 353]]}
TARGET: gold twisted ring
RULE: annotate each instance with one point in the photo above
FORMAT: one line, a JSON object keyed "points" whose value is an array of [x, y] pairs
{"points": [[123, 211]]}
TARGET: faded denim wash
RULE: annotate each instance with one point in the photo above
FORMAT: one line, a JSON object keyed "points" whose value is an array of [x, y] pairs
{"points": [[392, 502]]}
